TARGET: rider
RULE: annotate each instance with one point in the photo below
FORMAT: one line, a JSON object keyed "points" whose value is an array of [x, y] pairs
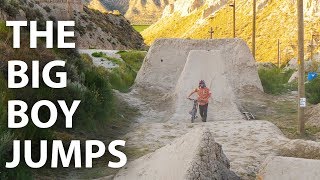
{"points": [[204, 94]]}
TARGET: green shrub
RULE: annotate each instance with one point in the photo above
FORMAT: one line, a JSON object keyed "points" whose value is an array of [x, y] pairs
{"points": [[98, 54], [6, 139], [275, 80], [4, 31], [114, 60], [122, 77], [11, 7], [47, 8], [133, 58], [313, 91], [103, 55], [52, 18]]}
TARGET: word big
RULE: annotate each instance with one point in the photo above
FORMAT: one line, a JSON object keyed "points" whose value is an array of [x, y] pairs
{"points": [[13, 74]]}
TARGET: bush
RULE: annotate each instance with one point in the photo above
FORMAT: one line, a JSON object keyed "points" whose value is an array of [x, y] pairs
{"points": [[122, 77], [52, 18], [11, 10], [133, 58], [6, 139], [275, 80], [313, 91], [47, 8], [11, 7], [98, 54], [4, 31]]}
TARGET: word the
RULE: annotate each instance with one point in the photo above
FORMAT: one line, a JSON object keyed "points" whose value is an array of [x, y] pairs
{"points": [[48, 33]]}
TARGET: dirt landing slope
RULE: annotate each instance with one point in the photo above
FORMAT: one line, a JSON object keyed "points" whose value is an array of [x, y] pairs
{"points": [[166, 59], [203, 158], [287, 168], [209, 66]]}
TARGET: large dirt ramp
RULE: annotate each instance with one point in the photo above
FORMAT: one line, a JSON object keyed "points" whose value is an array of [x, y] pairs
{"points": [[166, 59], [173, 68], [209, 66]]}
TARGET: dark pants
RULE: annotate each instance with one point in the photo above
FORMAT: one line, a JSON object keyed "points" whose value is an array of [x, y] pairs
{"points": [[203, 109]]}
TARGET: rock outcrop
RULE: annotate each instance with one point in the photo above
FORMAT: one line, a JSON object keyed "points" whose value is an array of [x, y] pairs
{"points": [[146, 11]]}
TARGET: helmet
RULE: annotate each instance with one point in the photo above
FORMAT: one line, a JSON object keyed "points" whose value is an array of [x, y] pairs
{"points": [[202, 84]]}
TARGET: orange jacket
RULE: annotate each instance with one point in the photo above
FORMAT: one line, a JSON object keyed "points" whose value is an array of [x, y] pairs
{"points": [[203, 95]]}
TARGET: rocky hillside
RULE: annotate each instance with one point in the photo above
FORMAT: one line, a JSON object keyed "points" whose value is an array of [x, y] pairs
{"points": [[121, 5], [136, 11], [146, 11], [93, 28], [275, 20], [108, 5], [97, 5]]}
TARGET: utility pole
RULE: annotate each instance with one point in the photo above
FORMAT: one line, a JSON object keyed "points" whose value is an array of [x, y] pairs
{"points": [[211, 32], [279, 60], [311, 58], [301, 88], [313, 45], [234, 17], [254, 29]]}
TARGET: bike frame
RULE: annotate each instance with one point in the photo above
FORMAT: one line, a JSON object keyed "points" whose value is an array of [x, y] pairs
{"points": [[194, 110]]}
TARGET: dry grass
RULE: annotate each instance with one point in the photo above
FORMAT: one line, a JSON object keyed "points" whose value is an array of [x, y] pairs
{"points": [[275, 21]]}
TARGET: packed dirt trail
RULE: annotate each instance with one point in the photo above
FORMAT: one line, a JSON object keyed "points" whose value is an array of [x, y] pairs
{"points": [[171, 70]]}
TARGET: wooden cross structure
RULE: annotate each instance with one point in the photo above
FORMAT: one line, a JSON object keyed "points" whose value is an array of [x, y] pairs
{"points": [[211, 32]]}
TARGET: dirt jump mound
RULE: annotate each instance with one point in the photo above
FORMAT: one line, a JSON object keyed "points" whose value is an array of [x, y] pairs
{"points": [[173, 68], [193, 156]]}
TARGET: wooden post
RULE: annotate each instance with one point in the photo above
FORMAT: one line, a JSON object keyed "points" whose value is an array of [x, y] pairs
{"points": [[311, 56], [301, 88], [211, 33], [254, 30], [234, 18], [279, 60]]}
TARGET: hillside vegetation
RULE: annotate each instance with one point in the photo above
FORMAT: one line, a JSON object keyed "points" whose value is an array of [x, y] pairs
{"points": [[93, 29], [99, 116], [275, 20]]}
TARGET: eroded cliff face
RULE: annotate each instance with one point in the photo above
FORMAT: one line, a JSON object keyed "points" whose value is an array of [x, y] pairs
{"points": [[93, 29], [97, 5], [276, 19], [121, 5], [146, 11]]}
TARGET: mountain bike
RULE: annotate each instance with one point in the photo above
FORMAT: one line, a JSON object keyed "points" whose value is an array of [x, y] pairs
{"points": [[194, 110]]}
